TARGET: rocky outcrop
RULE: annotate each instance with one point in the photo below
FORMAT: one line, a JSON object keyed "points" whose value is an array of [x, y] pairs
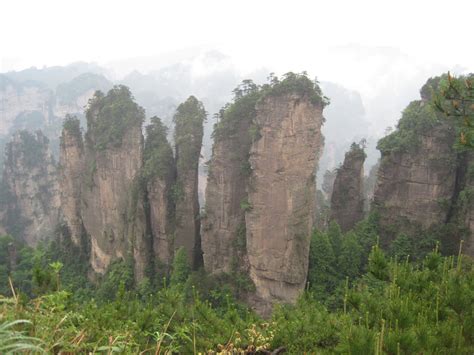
{"points": [[120, 194], [347, 200], [160, 176], [103, 200], [411, 185], [71, 170], [423, 181], [224, 230], [113, 160], [281, 194], [260, 195], [30, 192], [369, 186], [189, 119]]}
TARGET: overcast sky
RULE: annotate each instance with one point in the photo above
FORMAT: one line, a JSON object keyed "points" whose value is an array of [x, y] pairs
{"points": [[281, 34], [383, 49]]}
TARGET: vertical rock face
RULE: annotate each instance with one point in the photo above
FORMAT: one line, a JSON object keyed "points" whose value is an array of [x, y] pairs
{"points": [[30, 192], [260, 195], [369, 186], [116, 188], [224, 230], [189, 119], [161, 220], [281, 194], [347, 201], [159, 174], [423, 181], [71, 169], [113, 159], [119, 191], [411, 185]]}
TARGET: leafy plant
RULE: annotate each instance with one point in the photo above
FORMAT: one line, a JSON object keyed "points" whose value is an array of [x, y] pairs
{"points": [[13, 341]]}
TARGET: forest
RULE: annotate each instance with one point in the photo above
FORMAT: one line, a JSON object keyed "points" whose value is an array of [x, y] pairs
{"points": [[359, 299], [413, 295]]}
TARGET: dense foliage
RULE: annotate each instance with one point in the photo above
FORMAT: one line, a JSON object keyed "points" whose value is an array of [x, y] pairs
{"points": [[110, 116], [416, 119], [240, 111], [248, 94], [455, 98], [358, 301], [157, 155], [359, 298], [189, 119], [296, 83]]}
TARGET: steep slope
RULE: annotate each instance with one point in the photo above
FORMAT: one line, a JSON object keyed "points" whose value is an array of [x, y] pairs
{"points": [[30, 192], [282, 192], [423, 182], [117, 190], [159, 177], [71, 170], [347, 200], [189, 119], [113, 159], [261, 191], [223, 231]]}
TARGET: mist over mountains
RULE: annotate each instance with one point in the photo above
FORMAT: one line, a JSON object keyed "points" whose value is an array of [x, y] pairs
{"points": [[368, 88]]}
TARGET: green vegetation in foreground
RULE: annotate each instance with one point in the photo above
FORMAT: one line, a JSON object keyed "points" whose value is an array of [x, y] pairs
{"points": [[373, 304]]}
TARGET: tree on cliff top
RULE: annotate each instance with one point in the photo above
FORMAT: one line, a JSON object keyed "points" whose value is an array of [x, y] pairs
{"points": [[110, 116], [297, 83], [455, 98], [72, 126], [158, 155], [247, 94], [189, 119]]}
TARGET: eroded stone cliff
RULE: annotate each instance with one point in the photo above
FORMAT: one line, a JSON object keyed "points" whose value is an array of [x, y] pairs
{"points": [[189, 119], [113, 160], [282, 194], [423, 181], [159, 175], [347, 199], [71, 170], [261, 191], [30, 191], [224, 231], [122, 195]]}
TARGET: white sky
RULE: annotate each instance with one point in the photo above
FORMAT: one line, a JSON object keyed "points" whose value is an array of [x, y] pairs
{"points": [[383, 49], [280, 34]]}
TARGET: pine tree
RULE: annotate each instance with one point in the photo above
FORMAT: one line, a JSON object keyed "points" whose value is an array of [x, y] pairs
{"points": [[181, 268]]}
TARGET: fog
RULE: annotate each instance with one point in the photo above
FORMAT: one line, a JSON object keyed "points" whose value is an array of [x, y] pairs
{"points": [[371, 57]]}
